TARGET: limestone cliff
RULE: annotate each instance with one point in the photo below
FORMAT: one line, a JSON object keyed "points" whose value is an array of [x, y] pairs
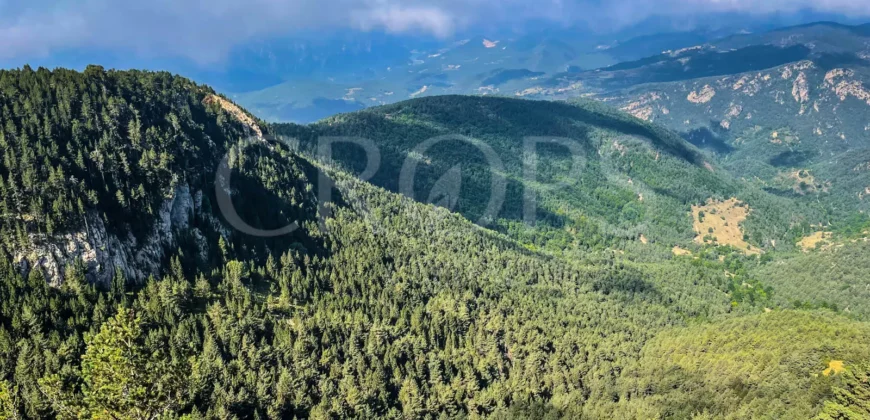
{"points": [[104, 252]]}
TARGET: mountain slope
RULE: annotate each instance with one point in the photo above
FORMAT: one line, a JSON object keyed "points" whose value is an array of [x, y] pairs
{"points": [[799, 118], [625, 179], [98, 155], [558, 64], [684, 64], [305, 304], [382, 308]]}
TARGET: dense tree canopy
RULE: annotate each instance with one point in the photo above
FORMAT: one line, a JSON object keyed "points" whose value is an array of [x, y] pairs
{"points": [[392, 308]]}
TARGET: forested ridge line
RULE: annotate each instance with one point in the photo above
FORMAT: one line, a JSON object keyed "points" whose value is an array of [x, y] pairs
{"points": [[389, 308]]}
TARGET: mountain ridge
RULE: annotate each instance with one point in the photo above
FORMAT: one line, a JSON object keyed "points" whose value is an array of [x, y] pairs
{"points": [[378, 305], [464, 72]]}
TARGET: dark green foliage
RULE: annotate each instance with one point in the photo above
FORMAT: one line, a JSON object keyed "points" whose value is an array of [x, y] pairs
{"points": [[854, 226], [721, 370], [401, 323], [836, 278], [119, 141], [397, 309], [634, 178]]}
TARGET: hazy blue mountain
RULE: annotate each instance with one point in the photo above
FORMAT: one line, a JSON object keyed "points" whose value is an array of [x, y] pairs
{"points": [[574, 62]]}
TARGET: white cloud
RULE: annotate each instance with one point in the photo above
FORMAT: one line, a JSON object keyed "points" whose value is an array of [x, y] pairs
{"points": [[402, 19]]}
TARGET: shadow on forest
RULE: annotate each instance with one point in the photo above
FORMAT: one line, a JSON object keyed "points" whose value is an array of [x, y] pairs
{"points": [[628, 283], [705, 138], [790, 158]]}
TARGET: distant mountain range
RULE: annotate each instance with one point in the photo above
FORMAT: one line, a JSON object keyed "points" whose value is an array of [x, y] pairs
{"points": [[475, 65], [688, 237], [785, 108], [553, 65], [797, 127]]}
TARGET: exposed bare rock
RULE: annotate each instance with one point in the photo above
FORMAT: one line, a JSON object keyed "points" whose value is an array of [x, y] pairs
{"points": [[182, 207], [530, 91], [734, 111], [570, 88], [100, 252], [620, 147], [487, 90], [419, 92], [800, 89], [784, 137], [644, 113], [237, 112], [350, 93], [103, 253], [545, 92], [680, 51], [705, 95], [836, 73], [643, 107], [834, 79], [740, 83], [201, 244], [754, 86], [789, 70], [855, 88]]}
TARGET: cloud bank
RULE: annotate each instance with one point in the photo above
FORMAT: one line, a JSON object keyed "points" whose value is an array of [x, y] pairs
{"points": [[206, 31]]}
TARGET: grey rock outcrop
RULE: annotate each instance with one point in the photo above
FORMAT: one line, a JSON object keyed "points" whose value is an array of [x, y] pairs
{"points": [[104, 252]]}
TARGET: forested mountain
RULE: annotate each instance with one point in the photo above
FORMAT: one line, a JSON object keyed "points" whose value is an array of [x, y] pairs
{"points": [[796, 129], [625, 179], [557, 64], [125, 292]]}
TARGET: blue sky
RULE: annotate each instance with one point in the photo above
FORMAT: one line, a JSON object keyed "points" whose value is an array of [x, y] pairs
{"points": [[206, 31]]}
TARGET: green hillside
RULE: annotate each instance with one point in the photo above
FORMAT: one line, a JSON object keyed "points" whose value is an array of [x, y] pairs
{"points": [[141, 301], [630, 178], [796, 130]]}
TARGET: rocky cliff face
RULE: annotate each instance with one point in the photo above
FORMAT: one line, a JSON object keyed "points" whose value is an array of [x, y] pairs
{"points": [[769, 125], [103, 252]]}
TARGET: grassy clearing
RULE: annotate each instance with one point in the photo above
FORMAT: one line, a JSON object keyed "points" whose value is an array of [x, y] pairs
{"points": [[719, 223]]}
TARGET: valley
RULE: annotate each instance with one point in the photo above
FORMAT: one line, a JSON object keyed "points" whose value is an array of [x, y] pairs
{"points": [[586, 298], [671, 226]]}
